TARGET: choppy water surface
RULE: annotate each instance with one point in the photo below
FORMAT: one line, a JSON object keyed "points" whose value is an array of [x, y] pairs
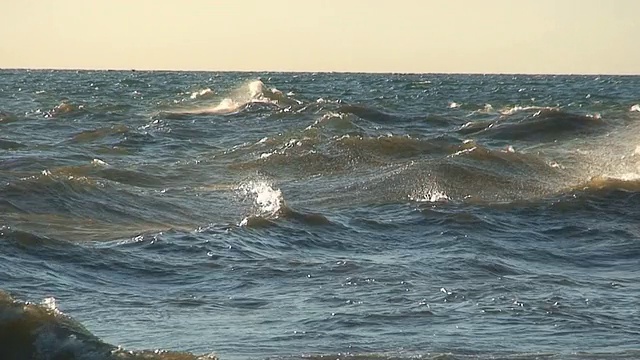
{"points": [[275, 215]]}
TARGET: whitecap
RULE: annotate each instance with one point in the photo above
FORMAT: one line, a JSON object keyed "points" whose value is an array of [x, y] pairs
{"points": [[201, 93], [267, 200]]}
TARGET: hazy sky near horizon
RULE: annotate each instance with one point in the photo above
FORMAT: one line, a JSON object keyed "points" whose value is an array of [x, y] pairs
{"points": [[480, 36]]}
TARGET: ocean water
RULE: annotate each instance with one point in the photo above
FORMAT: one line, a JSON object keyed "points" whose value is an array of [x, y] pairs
{"points": [[195, 215]]}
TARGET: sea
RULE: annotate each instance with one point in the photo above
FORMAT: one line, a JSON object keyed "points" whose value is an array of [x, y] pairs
{"points": [[323, 216]]}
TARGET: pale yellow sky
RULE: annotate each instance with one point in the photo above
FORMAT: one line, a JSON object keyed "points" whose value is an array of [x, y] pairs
{"points": [[479, 36]]}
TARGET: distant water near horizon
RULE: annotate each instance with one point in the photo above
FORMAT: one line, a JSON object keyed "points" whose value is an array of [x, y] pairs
{"points": [[201, 215]]}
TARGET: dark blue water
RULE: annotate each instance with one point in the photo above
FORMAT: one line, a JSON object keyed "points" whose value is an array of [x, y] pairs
{"points": [[279, 215]]}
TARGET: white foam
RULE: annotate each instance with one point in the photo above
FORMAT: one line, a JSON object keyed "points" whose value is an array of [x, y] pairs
{"points": [[201, 93], [267, 200], [226, 106], [99, 162], [431, 195], [256, 88], [630, 177], [254, 91], [635, 107], [518, 108], [50, 303], [463, 151]]}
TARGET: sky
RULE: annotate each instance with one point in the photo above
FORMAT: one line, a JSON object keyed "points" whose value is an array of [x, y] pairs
{"points": [[423, 36]]}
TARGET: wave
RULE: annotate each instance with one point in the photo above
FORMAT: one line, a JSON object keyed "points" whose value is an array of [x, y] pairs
{"points": [[394, 168], [334, 120], [94, 171], [11, 145], [466, 173], [7, 118], [205, 93], [472, 355], [627, 182], [367, 113], [42, 331], [65, 108], [315, 156], [267, 205], [86, 208], [96, 134], [393, 146], [516, 109], [288, 214], [541, 126], [24, 238], [250, 93], [376, 115], [266, 200], [319, 152]]}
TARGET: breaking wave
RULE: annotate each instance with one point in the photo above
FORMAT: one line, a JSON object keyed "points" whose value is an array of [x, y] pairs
{"points": [[253, 92], [267, 204]]}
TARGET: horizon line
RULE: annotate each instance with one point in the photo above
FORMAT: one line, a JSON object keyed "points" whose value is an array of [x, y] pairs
{"points": [[119, 69]]}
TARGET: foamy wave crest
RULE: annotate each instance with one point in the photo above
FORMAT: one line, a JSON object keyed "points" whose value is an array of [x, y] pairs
{"points": [[332, 119], [252, 92], [429, 194], [516, 109], [487, 109], [204, 93], [267, 200], [259, 92], [635, 107]]}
